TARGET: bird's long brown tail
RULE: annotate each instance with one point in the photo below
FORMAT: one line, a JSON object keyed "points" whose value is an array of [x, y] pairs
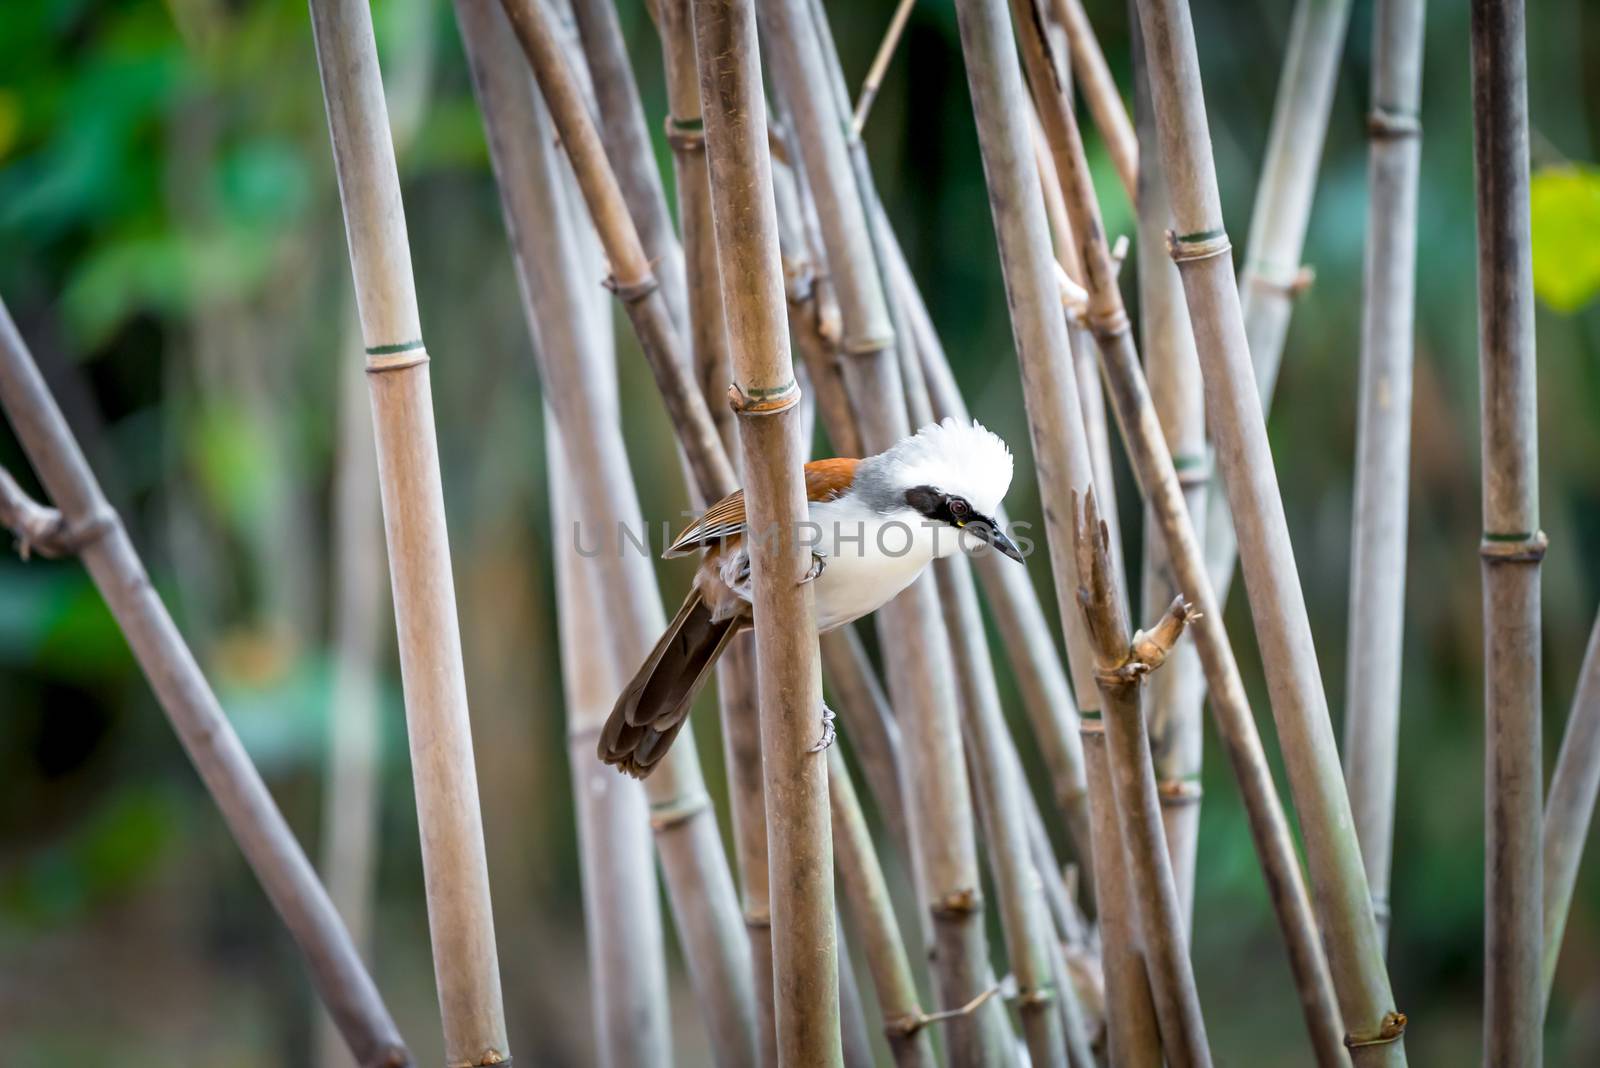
{"points": [[655, 705]]}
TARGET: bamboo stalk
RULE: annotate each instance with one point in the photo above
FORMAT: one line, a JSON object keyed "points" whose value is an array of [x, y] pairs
{"points": [[871, 913], [852, 1013], [460, 919], [620, 903], [1046, 696], [744, 216], [1383, 440], [921, 683], [1512, 545], [632, 277], [1158, 476], [627, 146], [1121, 666], [1573, 788], [736, 681], [1177, 694], [1133, 1038], [874, 735], [87, 525], [1199, 245], [354, 769], [1093, 75], [1272, 276], [700, 887]]}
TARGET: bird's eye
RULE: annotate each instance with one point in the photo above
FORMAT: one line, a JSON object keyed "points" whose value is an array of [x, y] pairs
{"points": [[960, 510]]}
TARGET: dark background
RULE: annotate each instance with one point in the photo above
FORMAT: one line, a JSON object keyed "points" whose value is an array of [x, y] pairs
{"points": [[171, 247]]}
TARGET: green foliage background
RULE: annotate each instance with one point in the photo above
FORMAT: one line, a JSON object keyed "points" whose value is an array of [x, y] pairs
{"points": [[171, 247]]}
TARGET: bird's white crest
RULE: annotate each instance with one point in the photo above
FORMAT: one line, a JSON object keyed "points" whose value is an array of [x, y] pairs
{"points": [[964, 459]]}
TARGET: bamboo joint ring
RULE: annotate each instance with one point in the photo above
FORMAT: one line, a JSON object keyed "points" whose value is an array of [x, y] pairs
{"points": [[686, 135], [632, 292], [1518, 548], [763, 401], [669, 814], [395, 357], [1387, 124], [1205, 245]]}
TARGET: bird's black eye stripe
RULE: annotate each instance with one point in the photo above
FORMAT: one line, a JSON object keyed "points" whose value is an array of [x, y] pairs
{"points": [[940, 507]]}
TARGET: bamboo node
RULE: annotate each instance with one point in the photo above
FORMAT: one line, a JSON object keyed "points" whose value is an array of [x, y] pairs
{"points": [[908, 1024], [1192, 469], [686, 135], [395, 357], [1110, 324], [1388, 124], [632, 292], [866, 346], [45, 530], [1518, 548], [1179, 793], [955, 905], [757, 919], [1389, 1030], [763, 401], [799, 280], [668, 814], [1205, 245]]}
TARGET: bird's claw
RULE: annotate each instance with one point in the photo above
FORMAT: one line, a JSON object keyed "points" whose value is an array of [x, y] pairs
{"points": [[815, 570], [828, 733]]}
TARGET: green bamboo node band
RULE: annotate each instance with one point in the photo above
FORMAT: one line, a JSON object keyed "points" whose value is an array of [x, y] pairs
{"points": [[396, 357], [768, 401], [1519, 547], [686, 135], [1089, 715], [1202, 245], [1290, 281], [398, 347]]}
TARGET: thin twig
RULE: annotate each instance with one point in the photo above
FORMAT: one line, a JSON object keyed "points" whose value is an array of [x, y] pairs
{"points": [[880, 64], [1567, 814]]}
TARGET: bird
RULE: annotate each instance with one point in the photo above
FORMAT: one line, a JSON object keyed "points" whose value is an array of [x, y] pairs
{"points": [[875, 524]]}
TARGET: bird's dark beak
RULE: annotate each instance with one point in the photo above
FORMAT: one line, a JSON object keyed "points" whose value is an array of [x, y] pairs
{"points": [[989, 532]]}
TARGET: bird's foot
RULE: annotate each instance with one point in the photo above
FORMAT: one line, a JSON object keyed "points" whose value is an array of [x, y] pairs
{"points": [[828, 733], [818, 564]]}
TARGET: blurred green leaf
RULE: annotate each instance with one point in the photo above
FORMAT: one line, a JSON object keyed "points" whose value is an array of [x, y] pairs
{"points": [[1566, 235], [231, 452]]}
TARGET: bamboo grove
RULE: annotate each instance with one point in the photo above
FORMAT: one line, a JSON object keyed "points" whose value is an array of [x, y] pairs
{"points": [[1050, 927]]}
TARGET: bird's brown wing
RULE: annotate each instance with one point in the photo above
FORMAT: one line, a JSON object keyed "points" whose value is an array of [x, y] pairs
{"points": [[825, 481]]}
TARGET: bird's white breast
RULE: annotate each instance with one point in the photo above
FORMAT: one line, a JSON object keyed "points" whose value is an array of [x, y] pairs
{"points": [[868, 558]]}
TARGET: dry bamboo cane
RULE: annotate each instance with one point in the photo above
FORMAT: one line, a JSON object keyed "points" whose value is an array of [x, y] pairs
{"points": [[86, 525], [869, 722], [707, 330], [1157, 474], [1090, 71], [1513, 545], [1055, 414], [461, 922], [699, 885], [1121, 666], [920, 675], [1046, 696], [1056, 1034], [1573, 787], [1272, 276], [1133, 1038], [870, 910], [632, 276], [1383, 440], [1177, 694], [627, 146], [857, 1041], [354, 769], [744, 216], [620, 903], [1200, 245]]}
